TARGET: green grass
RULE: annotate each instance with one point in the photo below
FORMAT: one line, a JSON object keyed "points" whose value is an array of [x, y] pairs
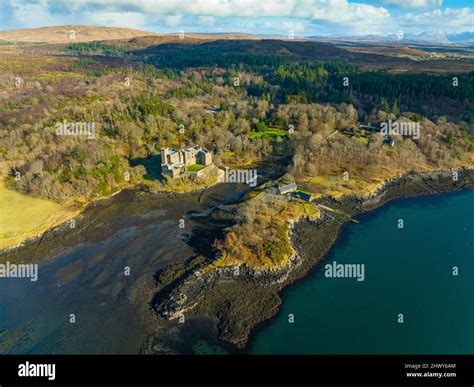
{"points": [[23, 216], [270, 134], [195, 167]]}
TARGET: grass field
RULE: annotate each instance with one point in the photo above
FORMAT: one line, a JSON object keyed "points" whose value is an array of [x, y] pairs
{"points": [[195, 167], [336, 187], [270, 134], [23, 217]]}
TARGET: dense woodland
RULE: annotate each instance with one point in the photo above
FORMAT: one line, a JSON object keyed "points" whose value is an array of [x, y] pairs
{"points": [[166, 100]]}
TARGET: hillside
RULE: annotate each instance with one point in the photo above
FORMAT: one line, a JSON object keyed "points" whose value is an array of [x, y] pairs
{"points": [[220, 52], [70, 33], [81, 33], [172, 84]]}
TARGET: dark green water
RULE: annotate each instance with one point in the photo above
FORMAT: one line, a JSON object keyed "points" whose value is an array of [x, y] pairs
{"points": [[408, 271]]}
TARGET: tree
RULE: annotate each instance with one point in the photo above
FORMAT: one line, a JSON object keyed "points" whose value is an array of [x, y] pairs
{"points": [[395, 109], [261, 127]]}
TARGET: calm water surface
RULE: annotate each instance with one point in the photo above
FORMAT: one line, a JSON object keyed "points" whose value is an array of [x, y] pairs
{"points": [[407, 271]]}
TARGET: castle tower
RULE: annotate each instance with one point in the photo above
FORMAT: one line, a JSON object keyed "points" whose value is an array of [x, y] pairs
{"points": [[164, 154]]}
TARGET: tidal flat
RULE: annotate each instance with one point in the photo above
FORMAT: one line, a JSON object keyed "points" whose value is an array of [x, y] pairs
{"points": [[82, 273]]}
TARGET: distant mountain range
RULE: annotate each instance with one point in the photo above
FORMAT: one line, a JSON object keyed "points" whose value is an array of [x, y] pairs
{"points": [[81, 33], [428, 37], [466, 37]]}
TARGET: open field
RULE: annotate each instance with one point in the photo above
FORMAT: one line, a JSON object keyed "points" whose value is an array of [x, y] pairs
{"points": [[23, 216], [270, 134], [336, 187]]}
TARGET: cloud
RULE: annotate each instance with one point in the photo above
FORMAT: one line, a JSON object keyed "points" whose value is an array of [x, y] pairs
{"points": [[448, 21], [115, 19], [314, 17], [414, 3], [351, 16], [294, 26], [28, 13], [328, 10]]}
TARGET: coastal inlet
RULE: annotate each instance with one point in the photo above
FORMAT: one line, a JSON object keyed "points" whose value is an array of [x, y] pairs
{"points": [[82, 272]]}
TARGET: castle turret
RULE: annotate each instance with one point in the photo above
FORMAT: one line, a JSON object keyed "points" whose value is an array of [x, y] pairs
{"points": [[164, 154]]}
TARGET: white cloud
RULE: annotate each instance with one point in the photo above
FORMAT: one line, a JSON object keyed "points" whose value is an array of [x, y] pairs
{"points": [[353, 16], [448, 21], [315, 17], [414, 3], [295, 26], [115, 19], [28, 13], [328, 10]]}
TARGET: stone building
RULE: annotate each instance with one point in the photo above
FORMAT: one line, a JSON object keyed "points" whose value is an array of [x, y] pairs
{"points": [[175, 162]]}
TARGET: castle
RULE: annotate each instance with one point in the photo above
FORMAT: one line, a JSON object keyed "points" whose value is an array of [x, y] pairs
{"points": [[175, 162]]}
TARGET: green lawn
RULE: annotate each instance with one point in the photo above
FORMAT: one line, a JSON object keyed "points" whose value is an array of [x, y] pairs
{"points": [[270, 134], [195, 167], [23, 216]]}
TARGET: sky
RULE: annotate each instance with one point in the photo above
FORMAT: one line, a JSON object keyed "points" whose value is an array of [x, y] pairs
{"points": [[262, 17]]}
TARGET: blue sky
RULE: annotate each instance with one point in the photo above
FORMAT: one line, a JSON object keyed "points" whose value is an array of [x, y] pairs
{"points": [[264, 17]]}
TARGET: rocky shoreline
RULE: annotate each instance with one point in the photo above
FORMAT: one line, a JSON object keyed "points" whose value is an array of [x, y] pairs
{"points": [[240, 301], [223, 303]]}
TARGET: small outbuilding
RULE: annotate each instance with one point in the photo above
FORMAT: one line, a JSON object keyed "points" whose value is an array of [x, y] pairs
{"points": [[286, 189]]}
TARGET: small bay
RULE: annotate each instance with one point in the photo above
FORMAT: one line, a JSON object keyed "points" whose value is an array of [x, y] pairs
{"points": [[408, 271]]}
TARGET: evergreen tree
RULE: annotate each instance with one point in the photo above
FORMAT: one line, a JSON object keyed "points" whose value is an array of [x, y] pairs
{"points": [[395, 109]]}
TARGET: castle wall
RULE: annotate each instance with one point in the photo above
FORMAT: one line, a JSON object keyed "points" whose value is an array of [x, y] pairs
{"points": [[186, 157]]}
